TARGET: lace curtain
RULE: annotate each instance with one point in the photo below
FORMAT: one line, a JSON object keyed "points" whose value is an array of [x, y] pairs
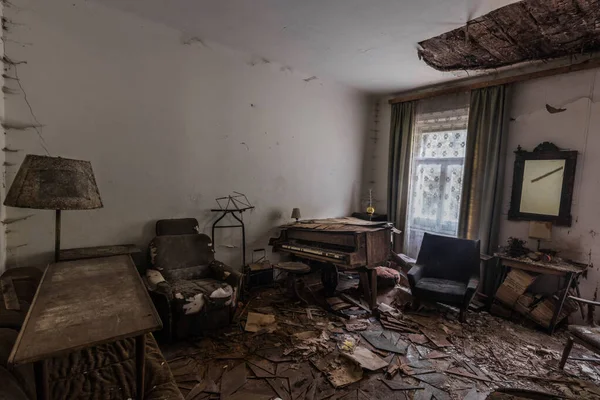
{"points": [[436, 168]]}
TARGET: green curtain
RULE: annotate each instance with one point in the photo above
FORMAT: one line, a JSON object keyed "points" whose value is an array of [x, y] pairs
{"points": [[485, 160], [402, 121]]}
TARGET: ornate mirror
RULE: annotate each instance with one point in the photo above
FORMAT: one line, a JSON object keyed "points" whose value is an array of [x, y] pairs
{"points": [[543, 182]]}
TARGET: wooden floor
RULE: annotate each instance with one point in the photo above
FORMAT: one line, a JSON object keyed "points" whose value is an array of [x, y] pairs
{"points": [[304, 357]]}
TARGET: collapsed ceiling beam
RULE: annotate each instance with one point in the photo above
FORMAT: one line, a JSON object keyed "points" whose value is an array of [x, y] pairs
{"points": [[500, 78], [527, 30]]}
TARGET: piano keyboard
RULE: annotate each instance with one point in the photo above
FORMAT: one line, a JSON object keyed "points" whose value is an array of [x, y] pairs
{"points": [[315, 251]]}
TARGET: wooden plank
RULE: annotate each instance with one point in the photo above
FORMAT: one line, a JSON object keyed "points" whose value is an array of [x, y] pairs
{"points": [[85, 303], [99, 251], [543, 268], [278, 385], [354, 301], [468, 375], [418, 339], [437, 338], [332, 301], [233, 379], [580, 300], [11, 301], [399, 385], [435, 354], [511, 76], [397, 328]]}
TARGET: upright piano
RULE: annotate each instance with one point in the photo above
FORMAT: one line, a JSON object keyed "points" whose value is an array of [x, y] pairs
{"points": [[340, 244]]}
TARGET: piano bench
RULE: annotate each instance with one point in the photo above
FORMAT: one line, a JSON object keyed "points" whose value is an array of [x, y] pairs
{"points": [[294, 272]]}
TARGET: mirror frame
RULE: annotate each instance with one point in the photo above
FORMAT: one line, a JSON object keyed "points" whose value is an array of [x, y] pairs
{"points": [[544, 151]]}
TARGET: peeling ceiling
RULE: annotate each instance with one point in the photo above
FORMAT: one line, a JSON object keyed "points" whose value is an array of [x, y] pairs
{"points": [[525, 31], [367, 44]]}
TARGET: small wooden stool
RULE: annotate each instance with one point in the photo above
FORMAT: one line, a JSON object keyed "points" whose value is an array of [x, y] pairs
{"points": [[294, 271]]}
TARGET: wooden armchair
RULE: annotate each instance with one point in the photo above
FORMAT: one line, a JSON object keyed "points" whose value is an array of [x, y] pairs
{"points": [[587, 336]]}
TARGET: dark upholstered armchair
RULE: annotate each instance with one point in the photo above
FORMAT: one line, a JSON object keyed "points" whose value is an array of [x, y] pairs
{"points": [[192, 291], [447, 271]]}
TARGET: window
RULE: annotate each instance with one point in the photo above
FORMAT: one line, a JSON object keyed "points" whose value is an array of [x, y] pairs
{"points": [[436, 174]]}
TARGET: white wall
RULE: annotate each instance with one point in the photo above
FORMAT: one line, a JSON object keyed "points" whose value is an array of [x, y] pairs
{"points": [[170, 126], [377, 153], [578, 128]]}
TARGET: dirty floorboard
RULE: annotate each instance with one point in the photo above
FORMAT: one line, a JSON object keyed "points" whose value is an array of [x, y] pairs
{"points": [[311, 352]]}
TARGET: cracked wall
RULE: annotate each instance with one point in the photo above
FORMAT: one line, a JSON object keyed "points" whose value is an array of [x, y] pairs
{"points": [[169, 123]]}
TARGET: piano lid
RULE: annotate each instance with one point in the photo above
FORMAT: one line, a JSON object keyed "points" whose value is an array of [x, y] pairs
{"points": [[345, 224]]}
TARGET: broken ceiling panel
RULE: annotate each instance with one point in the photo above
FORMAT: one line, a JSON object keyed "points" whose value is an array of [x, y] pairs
{"points": [[525, 31]]}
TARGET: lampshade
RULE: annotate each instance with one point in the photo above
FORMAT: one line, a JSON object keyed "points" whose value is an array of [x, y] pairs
{"points": [[540, 230], [296, 213], [54, 183]]}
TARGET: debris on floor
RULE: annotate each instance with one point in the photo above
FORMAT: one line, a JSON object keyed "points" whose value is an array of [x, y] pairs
{"points": [[288, 350], [260, 322]]}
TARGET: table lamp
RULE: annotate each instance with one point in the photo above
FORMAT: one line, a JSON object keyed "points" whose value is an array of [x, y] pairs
{"points": [[296, 214], [54, 183], [540, 231]]}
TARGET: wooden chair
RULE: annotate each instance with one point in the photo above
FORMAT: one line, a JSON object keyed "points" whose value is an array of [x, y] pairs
{"points": [[587, 336]]}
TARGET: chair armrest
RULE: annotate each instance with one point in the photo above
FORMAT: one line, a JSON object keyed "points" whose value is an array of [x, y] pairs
{"points": [[153, 278], [472, 285], [156, 283], [470, 293], [227, 274], [415, 274]]}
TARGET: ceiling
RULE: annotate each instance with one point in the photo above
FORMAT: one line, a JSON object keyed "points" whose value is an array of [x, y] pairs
{"points": [[525, 31], [366, 44]]}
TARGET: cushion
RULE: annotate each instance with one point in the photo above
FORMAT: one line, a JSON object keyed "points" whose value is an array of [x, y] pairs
{"points": [[588, 334], [441, 290], [193, 295]]}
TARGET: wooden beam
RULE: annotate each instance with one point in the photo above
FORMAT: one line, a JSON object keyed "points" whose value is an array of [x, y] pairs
{"points": [[512, 76]]}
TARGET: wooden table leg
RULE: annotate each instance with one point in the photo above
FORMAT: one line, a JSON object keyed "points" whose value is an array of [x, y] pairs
{"points": [[565, 355], [576, 284], [40, 371], [329, 278], [558, 307], [140, 361], [373, 278], [365, 284]]}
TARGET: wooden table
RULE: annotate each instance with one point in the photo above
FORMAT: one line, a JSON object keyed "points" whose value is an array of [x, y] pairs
{"points": [[81, 304], [567, 270], [81, 253]]}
